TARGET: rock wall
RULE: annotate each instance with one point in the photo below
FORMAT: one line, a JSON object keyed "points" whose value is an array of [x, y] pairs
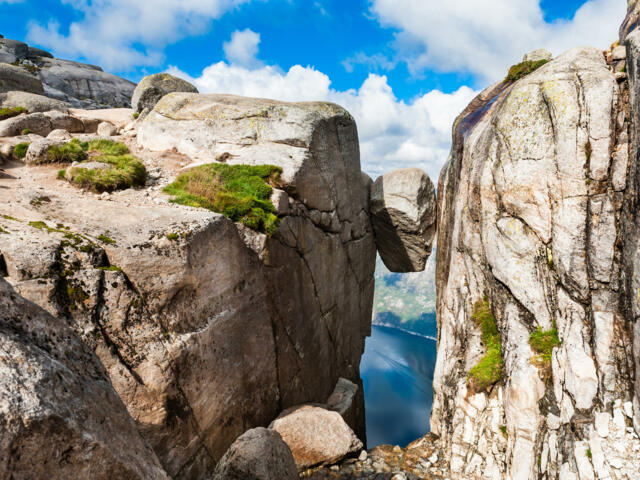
{"points": [[207, 328], [534, 206]]}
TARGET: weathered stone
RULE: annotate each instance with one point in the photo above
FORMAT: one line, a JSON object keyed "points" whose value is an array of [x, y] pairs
{"points": [[258, 454], [619, 53], [59, 135], [537, 55], [106, 129], [37, 123], [16, 78], [36, 151], [528, 222], [61, 417], [403, 211], [32, 102], [152, 88], [38, 52], [64, 121], [315, 435], [12, 50], [84, 85]]}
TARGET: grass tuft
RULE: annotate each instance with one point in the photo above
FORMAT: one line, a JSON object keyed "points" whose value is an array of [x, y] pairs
{"points": [[25, 131], [489, 370], [240, 192], [105, 239], [20, 150], [126, 170], [73, 151], [520, 70], [11, 112]]}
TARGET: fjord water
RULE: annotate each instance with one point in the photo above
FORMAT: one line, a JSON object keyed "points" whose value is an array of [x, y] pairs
{"points": [[397, 373]]}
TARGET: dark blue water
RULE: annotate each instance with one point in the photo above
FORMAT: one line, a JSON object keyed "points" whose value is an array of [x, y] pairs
{"points": [[397, 372]]}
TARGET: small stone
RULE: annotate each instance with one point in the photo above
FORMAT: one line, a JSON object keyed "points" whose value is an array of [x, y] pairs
{"points": [[399, 476], [433, 458], [621, 76], [628, 409], [397, 449], [363, 456], [334, 468], [537, 55], [105, 196], [107, 129]]}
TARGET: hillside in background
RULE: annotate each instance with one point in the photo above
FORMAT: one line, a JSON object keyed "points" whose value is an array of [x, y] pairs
{"points": [[406, 300]]}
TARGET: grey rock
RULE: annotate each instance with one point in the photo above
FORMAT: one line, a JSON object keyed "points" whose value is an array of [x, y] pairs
{"points": [[38, 123], [36, 151], [12, 50], [38, 52], [32, 102], [403, 212], [619, 53], [258, 454], [537, 55], [315, 435], [57, 402], [59, 135], [152, 88], [16, 78], [106, 129], [84, 85], [64, 121]]}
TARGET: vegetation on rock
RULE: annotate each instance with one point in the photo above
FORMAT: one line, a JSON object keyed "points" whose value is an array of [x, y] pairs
{"points": [[11, 112], [489, 370], [73, 151], [520, 70], [543, 343], [123, 169], [20, 150], [240, 192]]}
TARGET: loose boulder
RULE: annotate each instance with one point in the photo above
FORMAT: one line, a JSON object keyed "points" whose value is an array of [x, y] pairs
{"points": [[538, 55], [16, 78], [65, 122], [107, 129], [258, 454], [151, 89], [32, 102], [59, 134], [403, 211], [316, 436]]}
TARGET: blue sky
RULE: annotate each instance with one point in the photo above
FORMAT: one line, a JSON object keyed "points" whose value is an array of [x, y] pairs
{"points": [[404, 68]]}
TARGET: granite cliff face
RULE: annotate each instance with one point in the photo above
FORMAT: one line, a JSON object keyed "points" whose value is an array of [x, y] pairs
{"points": [[536, 273], [205, 327]]}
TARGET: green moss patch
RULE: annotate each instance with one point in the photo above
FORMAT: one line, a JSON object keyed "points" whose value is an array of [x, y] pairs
{"points": [[520, 70], [20, 150], [105, 239], [123, 169], [543, 343], [11, 112], [240, 192], [489, 370]]}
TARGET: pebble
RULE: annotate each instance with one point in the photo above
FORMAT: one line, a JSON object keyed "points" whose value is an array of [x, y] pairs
{"points": [[397, 449], [363, 456]]}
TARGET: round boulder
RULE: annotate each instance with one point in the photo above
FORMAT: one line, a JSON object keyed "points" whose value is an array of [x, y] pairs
{"points": [[315, 435], [59, 134], [107, 129], [403, 212], [37, 123], [258, 454], [152, 88]]}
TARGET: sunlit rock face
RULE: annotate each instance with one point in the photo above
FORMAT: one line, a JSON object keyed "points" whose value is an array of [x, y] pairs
{"points": [[533, 214], [205, 327]]}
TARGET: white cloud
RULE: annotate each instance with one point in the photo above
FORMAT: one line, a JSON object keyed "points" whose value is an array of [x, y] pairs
{"points": [[375, 62], [484, 37], [393, 133], [243, 48], [122, 34]]}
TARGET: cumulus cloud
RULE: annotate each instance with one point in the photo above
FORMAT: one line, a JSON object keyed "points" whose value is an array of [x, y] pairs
{"points": [[393, 133], [484, 37], [121, 34], [242, 48]]}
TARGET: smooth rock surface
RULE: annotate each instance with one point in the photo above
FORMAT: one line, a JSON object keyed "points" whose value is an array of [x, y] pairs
{"points": [[152, 88], [258, 454], [37, 123], [16, 78], [315, 435], [32, 102], [106, 129], [403, 211], [537, 55]]}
